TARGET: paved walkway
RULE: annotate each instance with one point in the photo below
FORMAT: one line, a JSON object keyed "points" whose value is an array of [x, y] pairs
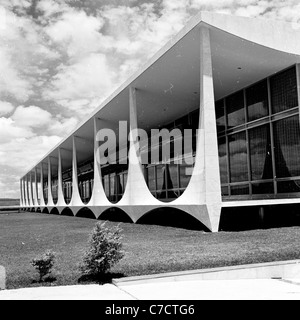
{"points": [[258, 289]]}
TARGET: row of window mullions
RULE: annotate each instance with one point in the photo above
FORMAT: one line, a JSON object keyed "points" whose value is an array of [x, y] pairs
{"points": [[247, 143], [272, 137], [298, 85], [227, 146], [269, 120]]}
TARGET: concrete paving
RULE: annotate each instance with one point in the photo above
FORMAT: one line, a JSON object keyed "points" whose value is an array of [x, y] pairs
{"points": [[279, 280], [77, 292], [243, 289]]}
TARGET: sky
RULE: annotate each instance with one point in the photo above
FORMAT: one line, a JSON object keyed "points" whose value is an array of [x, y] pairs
{"points": [[60, 59]]}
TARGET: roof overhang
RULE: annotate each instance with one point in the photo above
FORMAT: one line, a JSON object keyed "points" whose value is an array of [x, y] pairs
{"points": [[244, 51]]}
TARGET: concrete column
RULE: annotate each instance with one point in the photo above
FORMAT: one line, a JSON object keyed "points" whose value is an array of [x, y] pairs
{"points": [[98, 198], [35, 190], [61, 200], [42, 200], [205, 186], [137, 198], [30, 192], [50, 198], [75, 200], [25, 191], [208, 124], [21, 194]]}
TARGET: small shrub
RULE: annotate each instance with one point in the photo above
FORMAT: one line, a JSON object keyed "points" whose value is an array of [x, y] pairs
{"points": [[105, 250], [44, 263]]}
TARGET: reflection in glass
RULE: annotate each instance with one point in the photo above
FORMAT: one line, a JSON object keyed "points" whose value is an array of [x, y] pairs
{"points": [[235, 109], [284, 90], [287, 186], [223, 160], [186, 171], [240, 189], [167, 188], [224, 190], [220, 115], [238, 157], [112, 185], [106, 185], [257, 101], [287, 147], [159, 176], [173, 170], [260, 153], [263, 188], [151, 179]]}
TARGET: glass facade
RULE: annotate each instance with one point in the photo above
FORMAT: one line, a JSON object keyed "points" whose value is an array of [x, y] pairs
{"points": [[259, 139], [258, 142]]}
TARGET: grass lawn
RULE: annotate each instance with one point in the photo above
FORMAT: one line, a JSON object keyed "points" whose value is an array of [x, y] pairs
{"points": [[149, 249]]}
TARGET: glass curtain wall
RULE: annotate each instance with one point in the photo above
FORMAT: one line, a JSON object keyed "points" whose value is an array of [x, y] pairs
{"points": [[168, 178], [259, 139]]}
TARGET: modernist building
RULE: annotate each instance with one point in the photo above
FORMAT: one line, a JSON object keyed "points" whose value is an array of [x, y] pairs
{"points": [[236, 80]]}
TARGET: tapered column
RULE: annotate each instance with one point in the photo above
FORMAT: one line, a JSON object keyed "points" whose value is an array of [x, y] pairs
{"points": [[26, 192], [208, 125], [137, 194], [21, 194], [35, 190], [205, 180], [60, 193], [98, 194], [30, 191], [42, 200], [76, 200], [50, 198]]}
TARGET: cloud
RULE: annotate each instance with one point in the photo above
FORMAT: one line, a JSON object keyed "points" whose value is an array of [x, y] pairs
{"points": [[76, 33], [5, 108], [62, 126], [31, 116], [9, 131], [81, 83], [16, 152], [61, 59]]}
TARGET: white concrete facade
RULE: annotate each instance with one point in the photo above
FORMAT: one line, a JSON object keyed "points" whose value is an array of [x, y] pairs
{"points": [[202, 198]]}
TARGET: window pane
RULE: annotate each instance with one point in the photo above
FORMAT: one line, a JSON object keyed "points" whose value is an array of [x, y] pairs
{"points": [[106, 185], [119, 183], [238, 157], [288, 186], [257, 101], [151, 179], [125, 179], [284, 90], [186, 171], [260, 153], [112, 184], [220, 115], [224, 191], [235, 109], [173, 175], [160, 176], [287, 147], [239, 190], [223, 160], [263, 188]]}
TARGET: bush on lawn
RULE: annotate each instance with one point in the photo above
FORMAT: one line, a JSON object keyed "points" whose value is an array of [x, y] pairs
{"points": [[44, 263], [105, 250]]}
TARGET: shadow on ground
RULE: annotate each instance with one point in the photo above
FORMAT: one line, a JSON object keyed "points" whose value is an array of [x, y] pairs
{"points": [[102, 279]]}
